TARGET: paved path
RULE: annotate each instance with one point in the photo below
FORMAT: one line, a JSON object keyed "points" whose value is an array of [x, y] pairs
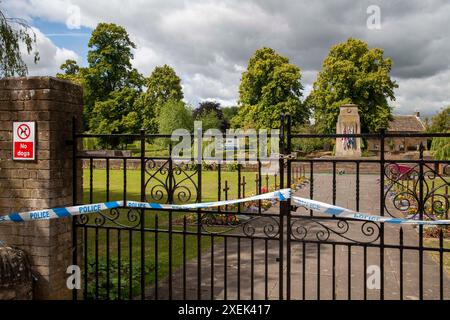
{"points": [[311, 284]]}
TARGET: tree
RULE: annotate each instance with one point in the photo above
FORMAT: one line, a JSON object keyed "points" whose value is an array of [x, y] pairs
{"points": [[441, 121], [72, 72], [353, 73], [13, 32], [70, 67], [210, 113], [269, 87], [163, 85], [110, 68], [175, 115], [228, 114], [210, 121], [117, 114], [440, 146]]}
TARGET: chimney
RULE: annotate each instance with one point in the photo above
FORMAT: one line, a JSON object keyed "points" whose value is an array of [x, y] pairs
{"points": [[417, 114]]}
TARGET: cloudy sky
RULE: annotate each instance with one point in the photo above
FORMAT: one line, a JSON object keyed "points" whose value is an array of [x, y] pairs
{"points": [[209, 42]]}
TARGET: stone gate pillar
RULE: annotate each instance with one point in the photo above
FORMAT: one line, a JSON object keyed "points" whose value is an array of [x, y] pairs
{"points": [[43, 183], [348, 123]]}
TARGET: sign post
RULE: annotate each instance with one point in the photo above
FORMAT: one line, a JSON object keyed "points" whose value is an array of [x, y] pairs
{"points": [[24, 144]]}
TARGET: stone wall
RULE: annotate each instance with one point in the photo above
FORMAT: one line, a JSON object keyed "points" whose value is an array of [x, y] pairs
{"points": [[43, 183]]}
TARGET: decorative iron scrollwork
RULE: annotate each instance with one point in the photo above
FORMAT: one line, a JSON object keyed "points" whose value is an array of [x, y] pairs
{"points": [[122, 217], [405, 185], [306, 228], [157, 182], [184, 187], [163, 184], [267, 226]]}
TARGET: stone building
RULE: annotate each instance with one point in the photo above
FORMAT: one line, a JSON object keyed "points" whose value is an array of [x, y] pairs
{"points": [[401, 124]]}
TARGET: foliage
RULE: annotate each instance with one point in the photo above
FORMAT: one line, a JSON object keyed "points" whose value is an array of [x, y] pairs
{"points": [[310, 144], [174, 115], [206, 107], [117, 114], [234, 166], [113, 283], [13, 32], [72, 72], [162, 85], [110, 68], [210, 121], [440, 148], [148, 117], [107, 76], [441, 121], [210, 113], [353, 73], [228, 114], [269, 87], [70, 67]]}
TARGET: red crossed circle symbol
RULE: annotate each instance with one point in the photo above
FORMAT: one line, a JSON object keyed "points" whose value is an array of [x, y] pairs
{"points": [[23, 131]]}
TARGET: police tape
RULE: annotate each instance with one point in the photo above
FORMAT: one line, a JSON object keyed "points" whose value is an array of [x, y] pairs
{"points": [[347, 213], [63, 212], [280, 195]]}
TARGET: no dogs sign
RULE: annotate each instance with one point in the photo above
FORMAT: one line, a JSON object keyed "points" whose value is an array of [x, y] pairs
{"points": [[24, 141]]}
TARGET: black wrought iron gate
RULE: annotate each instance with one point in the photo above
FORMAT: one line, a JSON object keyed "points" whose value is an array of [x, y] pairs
{"points": [[263, 249]]}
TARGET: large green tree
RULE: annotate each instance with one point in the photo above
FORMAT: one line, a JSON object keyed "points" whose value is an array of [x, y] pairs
{"points": [[210, 113], [117, 114], [13, 33], [109, 68], [353, 73], [175, 115], [269, 87], [163, 85]]}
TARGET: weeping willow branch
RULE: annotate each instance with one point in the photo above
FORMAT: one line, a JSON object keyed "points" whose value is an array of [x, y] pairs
{"points": [[13, 33]]}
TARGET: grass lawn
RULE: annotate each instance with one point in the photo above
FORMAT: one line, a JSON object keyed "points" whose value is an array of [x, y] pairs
{"points": [[126, 244], [209, 184]]}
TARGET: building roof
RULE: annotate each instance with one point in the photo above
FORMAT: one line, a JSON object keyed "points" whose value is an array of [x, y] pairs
{"points": [[410, 123]]}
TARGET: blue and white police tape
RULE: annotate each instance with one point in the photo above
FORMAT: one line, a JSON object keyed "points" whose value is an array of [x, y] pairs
{"points": [[97, 207], [347, 213], [281, 195], [63, 212]]}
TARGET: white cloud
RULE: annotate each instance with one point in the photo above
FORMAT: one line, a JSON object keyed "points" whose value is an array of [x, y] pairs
{"points": [[209, 42], [427, 95], [51, 56]]}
